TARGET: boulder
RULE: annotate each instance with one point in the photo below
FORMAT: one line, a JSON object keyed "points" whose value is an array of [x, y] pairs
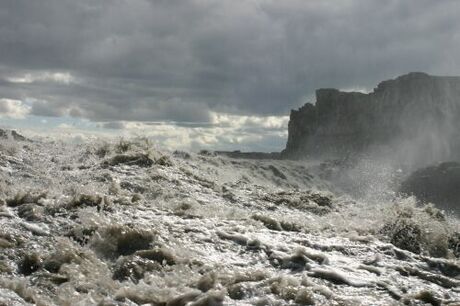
{"points": [[439, 184]]}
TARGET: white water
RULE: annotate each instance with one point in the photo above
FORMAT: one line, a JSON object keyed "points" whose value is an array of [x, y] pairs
{"points": [[202, 216]]}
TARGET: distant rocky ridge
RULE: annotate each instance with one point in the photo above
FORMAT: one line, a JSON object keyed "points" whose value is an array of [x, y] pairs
{"points": [[249, 155], [5, 134], [415, 116]]}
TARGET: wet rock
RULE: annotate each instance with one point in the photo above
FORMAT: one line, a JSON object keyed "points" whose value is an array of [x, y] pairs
{"points": [[30, 263], [438, 184]]}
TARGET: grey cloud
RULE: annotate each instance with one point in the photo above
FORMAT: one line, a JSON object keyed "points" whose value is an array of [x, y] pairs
{"points": [[43, 108], [115, 125], [174, 60]]}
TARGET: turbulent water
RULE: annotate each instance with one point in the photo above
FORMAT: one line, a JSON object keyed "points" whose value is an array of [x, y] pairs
{"points": [[126, 224]]}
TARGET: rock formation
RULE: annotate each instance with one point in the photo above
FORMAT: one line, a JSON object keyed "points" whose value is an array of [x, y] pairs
{"points": [[414, 117], [438, 184]]}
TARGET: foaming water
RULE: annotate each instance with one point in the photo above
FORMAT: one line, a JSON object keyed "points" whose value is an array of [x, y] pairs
{"points": [[126, 224]]}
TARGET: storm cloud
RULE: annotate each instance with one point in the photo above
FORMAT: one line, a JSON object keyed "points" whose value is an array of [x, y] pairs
{"points": [[182, 61]]}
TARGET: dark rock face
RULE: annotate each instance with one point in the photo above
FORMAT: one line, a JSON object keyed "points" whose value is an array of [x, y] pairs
{"points": [[436, 184], [417, 114]]}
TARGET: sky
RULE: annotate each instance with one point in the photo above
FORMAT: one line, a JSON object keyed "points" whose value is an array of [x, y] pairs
{"points": [[206, 74]]}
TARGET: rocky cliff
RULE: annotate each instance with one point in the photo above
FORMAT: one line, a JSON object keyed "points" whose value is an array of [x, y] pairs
{"points": [[439, 184], [415, 117]]}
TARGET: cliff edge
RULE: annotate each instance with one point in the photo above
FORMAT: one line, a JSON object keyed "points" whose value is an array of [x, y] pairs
{"points": [[414, 117]]}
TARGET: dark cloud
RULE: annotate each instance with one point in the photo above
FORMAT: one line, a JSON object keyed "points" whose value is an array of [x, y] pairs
{"points": [[153, 60]]}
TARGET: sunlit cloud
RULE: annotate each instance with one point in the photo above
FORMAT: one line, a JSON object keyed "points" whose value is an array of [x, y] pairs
{"points": [[12, 108], [220, 73], [33, 77]]}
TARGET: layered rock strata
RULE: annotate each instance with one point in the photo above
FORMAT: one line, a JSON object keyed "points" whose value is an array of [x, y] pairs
{"points": [[413, 117]]}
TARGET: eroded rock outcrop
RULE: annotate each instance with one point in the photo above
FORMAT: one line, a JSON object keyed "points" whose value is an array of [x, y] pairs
{"points": [[438, 184], [415, 117]]}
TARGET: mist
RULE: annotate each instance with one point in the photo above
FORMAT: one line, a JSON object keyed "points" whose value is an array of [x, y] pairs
{"points": [[228, 152]]}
